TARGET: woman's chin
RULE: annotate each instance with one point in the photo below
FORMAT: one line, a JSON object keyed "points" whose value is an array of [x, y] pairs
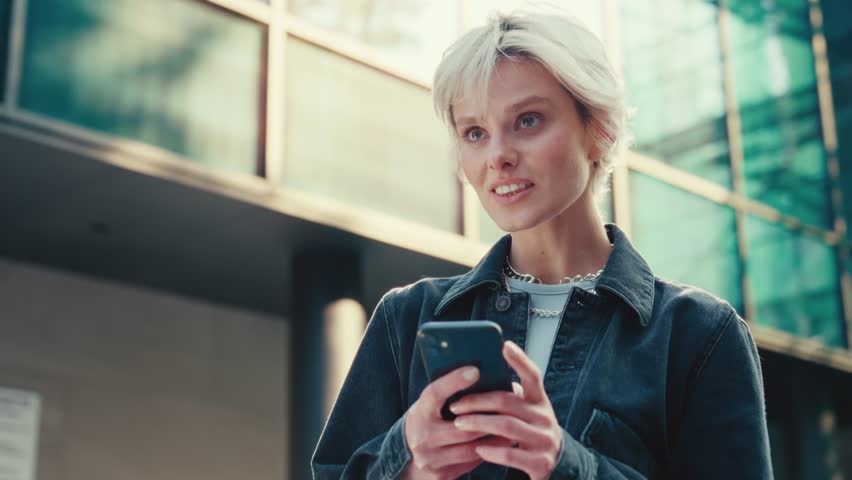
{"points": [[514, 225], [516, 219]]}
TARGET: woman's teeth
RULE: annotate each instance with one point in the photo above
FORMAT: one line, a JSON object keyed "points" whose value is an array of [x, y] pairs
{"points": [[507, 189]]}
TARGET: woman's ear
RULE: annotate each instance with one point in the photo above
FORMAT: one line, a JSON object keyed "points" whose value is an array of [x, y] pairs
{"points": [[597, 140]]}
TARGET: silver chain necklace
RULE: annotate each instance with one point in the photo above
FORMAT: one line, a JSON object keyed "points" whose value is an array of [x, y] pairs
{"points": [[510, 272]]}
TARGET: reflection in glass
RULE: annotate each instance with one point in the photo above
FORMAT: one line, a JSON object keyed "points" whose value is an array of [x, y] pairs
{"points": [[794, 282], [674, 80], [838, 35], [685, 237], [5, 18], [775, 86], [410, 34], [177, 74], [359, 136]]}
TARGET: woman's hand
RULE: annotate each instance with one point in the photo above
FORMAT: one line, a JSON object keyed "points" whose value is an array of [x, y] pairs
{"points": [[440, 450], [524, 417]]}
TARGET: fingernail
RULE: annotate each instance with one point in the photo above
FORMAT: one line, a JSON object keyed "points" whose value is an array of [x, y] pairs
{"points": [[461, 423], [470, 373]]}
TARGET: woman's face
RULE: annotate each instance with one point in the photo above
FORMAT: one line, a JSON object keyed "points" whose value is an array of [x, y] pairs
{"points": [[527, 155]]}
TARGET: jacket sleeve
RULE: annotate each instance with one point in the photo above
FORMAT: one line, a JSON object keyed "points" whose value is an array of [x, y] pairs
{"points": [[723, 433], [364, 436], [725, 417], [576, 462]]}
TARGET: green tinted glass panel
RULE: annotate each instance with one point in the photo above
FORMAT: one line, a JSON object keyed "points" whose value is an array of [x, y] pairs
{"points": [[775, 87], [409, 35], [793, 282], [177, 74], [363, 137], [838, 34], [685, 237], [5, 14], [674, 80]]}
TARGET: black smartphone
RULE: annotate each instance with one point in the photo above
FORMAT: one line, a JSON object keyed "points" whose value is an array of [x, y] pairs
{"points": [[446, 346]]}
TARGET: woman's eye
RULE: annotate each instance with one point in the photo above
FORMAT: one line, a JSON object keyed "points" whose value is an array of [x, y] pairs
{"points": [[474, 135], [529, 120]]}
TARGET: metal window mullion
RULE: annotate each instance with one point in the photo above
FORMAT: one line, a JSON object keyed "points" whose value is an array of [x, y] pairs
{"points": [[343, 46], [714, 192], [830, 142], [736, 155], [17, 31], [621, 174], [253, 9], [276, 107], [471, 221]]}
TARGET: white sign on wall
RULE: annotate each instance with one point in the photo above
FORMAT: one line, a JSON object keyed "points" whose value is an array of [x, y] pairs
{"points": [[19, 418]]}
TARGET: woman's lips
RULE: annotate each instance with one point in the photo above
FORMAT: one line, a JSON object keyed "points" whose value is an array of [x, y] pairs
{"points": [[514, 197]]}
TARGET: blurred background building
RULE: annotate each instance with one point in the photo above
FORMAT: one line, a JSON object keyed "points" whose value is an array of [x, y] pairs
{"points": [[202, 201]]}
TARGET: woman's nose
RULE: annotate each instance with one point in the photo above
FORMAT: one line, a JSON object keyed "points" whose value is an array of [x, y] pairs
{"points": [[502, 155]]}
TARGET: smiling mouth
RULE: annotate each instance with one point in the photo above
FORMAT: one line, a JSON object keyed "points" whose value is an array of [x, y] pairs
{"points": [[513, 189]]}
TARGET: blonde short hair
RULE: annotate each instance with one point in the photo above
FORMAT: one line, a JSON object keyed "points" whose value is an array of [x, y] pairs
{"points": [[563, 46]]}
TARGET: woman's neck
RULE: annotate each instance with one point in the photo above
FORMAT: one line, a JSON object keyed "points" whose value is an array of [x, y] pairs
{"points": [[565, 246]]}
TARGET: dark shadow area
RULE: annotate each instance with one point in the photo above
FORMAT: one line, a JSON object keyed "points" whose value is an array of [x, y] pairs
{"points": [[71, 212]]}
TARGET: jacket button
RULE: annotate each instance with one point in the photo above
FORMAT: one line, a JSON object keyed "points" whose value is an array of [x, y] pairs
{"points": [[503, 302]]}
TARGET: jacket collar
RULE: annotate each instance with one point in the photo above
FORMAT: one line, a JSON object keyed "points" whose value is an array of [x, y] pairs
{"points": [[626, 275]]}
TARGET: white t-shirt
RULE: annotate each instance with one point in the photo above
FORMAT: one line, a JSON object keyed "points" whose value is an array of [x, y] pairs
{"points": [[541, 330]]}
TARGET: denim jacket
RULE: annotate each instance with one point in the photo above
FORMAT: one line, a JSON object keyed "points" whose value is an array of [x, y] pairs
{"points": [[648, 378]]}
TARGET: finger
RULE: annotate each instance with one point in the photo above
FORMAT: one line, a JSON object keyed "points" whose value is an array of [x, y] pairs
{"points": [[463, 454], [432, 433], [505, 426], [445, 434], [495, 441], [528, 372], [443, 457], [437, 392], [518, 389], [535, 464], [495, 402]]}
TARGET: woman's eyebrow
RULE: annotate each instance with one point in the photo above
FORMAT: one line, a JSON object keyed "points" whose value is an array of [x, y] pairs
{"points": [[465, 121], [531, 100], [519, 105]]}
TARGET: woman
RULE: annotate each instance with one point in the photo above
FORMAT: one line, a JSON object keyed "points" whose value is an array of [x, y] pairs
{"points": [[622, 375]]}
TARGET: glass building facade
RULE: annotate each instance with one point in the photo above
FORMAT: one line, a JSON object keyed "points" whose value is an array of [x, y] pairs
{"points": [[740, 180], [163, 73]]}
